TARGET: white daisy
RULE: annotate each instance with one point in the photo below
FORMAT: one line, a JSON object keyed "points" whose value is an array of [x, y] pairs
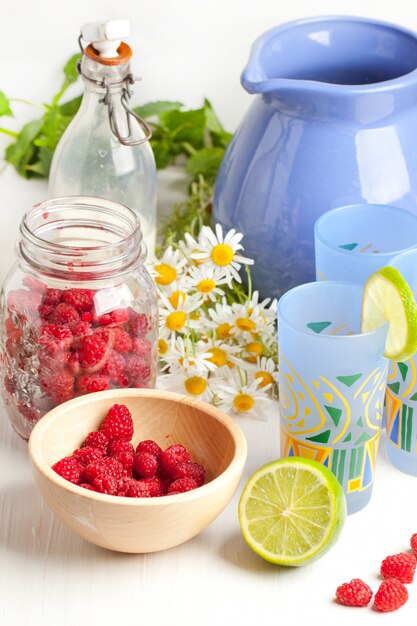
{"points": [[219, 353], [206, 281], [169, 268], [197, 386], [236, 395], [220, 252], [220, 316], [190, 358], [265, 371], [176, 313]]}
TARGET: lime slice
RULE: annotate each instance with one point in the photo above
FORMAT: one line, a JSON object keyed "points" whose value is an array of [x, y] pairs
{"points": [[292, 511], [387, 297]]}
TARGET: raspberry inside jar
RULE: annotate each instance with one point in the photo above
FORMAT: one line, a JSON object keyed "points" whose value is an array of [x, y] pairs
{"points": [[79, 311]]}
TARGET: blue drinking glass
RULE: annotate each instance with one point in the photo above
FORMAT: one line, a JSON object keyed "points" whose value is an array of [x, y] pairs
{"points": [[354, 241], [332, 383], [401, 398]]}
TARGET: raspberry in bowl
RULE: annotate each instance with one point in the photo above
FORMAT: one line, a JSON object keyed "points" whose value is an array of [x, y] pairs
{"points": [[137, 470], [79, 312]]}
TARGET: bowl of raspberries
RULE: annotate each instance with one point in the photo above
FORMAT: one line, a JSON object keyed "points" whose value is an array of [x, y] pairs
{"points": [[137, 470]]}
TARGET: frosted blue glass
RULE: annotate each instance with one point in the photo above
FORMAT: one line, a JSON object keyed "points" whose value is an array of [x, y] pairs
{"points": [[401, 399], [332, 383], [354, 241]]}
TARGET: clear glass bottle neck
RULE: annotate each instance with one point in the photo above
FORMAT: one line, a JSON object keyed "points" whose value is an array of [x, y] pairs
{"points": [[81, 238]]}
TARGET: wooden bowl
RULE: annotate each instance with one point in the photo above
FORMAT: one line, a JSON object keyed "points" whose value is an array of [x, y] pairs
{"points": [[140, 524]]}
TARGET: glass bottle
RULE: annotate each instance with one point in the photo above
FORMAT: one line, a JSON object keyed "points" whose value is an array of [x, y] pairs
{"points": [[105, 151], [78, 308]]}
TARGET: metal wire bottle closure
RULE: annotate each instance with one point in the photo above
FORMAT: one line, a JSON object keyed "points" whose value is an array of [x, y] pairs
{"points": [[107, 100]]}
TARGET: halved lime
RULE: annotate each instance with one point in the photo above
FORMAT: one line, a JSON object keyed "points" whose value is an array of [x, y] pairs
{"points": [[387, 297], [292, 511]]}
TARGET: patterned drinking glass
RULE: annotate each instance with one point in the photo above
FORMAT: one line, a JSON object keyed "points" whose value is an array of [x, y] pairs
{"points": [[352, 242], [332, 383], [401, 398]]}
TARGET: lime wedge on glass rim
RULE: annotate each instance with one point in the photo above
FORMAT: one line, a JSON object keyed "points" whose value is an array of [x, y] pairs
{"points": [[387, 297], [292, 511]]}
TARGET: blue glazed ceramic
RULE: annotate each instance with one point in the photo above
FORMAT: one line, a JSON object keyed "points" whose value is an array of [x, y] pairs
{"points": [[334, 123]]}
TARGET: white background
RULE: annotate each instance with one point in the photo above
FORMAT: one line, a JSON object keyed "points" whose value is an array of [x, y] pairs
{"points": [[185, 50]]}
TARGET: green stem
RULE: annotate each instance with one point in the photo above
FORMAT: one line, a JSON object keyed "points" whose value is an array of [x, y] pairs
{"points": [[248, 274], [32, 104], [60, 93], [11, 133]]}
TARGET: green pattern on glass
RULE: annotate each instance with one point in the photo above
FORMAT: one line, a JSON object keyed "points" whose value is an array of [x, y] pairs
{"points": [[395, 387], [321, 437], [349, 246], [318, 327], [414, 397], [409, 429], [359, 422], [403, 367], [334, 413], [364, 437], [352, 465], [349, 380]]}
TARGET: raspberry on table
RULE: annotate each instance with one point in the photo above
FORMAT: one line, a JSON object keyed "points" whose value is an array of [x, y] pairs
{"points": [[81, 299], [145, 465], [122, 340], [355, 593], [148, 445], [106, 484], [171, 457], [181, 485], [413, 543], [96, 439], [63, 314], [70, 469], [118, 423], [105, 466], [401, 566], [93, 352], [87, 455], [91, 383], [391, 595], [189, 470]]}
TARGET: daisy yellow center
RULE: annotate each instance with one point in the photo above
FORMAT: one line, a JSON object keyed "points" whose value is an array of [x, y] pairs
{"points": [[176, 320], [206, 285], [243, 402], [224, 331], [222, 254], [181, 361], [255, 349], [162, 346], [219, 356], [167, 274], [195, 385], [174, 298], [245, 324], [264, 377]]}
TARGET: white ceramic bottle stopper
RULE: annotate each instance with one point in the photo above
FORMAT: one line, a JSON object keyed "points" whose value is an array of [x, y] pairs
{"points": [[106, 36]]}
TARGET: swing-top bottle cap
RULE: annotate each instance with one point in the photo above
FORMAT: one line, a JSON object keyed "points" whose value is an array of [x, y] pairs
{"points": [[106, 36]]}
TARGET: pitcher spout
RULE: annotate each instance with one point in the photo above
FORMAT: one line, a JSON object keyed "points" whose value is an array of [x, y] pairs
{"points": [[332, 55]]}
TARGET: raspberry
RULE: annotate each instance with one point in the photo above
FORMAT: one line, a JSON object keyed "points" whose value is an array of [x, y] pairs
{"points": [[142, 347], [70, 469], [119, 316], [145, 465], [106, 484], [104, 320], [123, 452], [45, 310], [73, 363], [93, 352], [29, 412], [118, 423], [80, 299], [138, 323], [165, 486], [154, 485], [87, 455], [189, 470], [54, 338], [355, 593], [63, 314], [122, 341], [390, 596], [137, 370], [52, 297], [413, 543], [149, 446], [59, 386], [182, 485], [87, 316], [115, 368], [87, 486], [132, 488], [96, 439], [400, 566], [171, 457], [107, 466], [90, 383], [80, 330]]}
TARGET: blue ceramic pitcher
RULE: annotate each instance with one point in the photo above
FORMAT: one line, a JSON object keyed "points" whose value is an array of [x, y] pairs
{"points": [[334, 123]]}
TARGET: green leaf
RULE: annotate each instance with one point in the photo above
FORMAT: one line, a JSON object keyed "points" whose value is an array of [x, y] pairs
{"points": [[70, 69], [185, 126], [20, 153], [206, 162], [42, 166], [54, 125], [71, 107], [152, 109], [212, 121], [5, 105]]}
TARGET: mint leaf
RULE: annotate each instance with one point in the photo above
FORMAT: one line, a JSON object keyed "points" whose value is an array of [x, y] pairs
{"points": [[151, 109], [212, 121], [20, 153], [70, 69], [71, 107], [5, 105], [42, 166], [185, 126], [205, 162]]}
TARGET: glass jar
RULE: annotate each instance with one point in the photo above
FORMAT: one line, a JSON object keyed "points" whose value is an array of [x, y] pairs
{"points": [[78, 308]]}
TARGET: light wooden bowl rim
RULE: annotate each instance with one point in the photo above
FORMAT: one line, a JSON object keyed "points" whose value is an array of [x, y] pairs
{"points": [[235, 466]]}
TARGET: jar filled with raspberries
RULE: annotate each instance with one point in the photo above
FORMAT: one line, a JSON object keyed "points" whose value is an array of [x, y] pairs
{"points": [[79, 311]]}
